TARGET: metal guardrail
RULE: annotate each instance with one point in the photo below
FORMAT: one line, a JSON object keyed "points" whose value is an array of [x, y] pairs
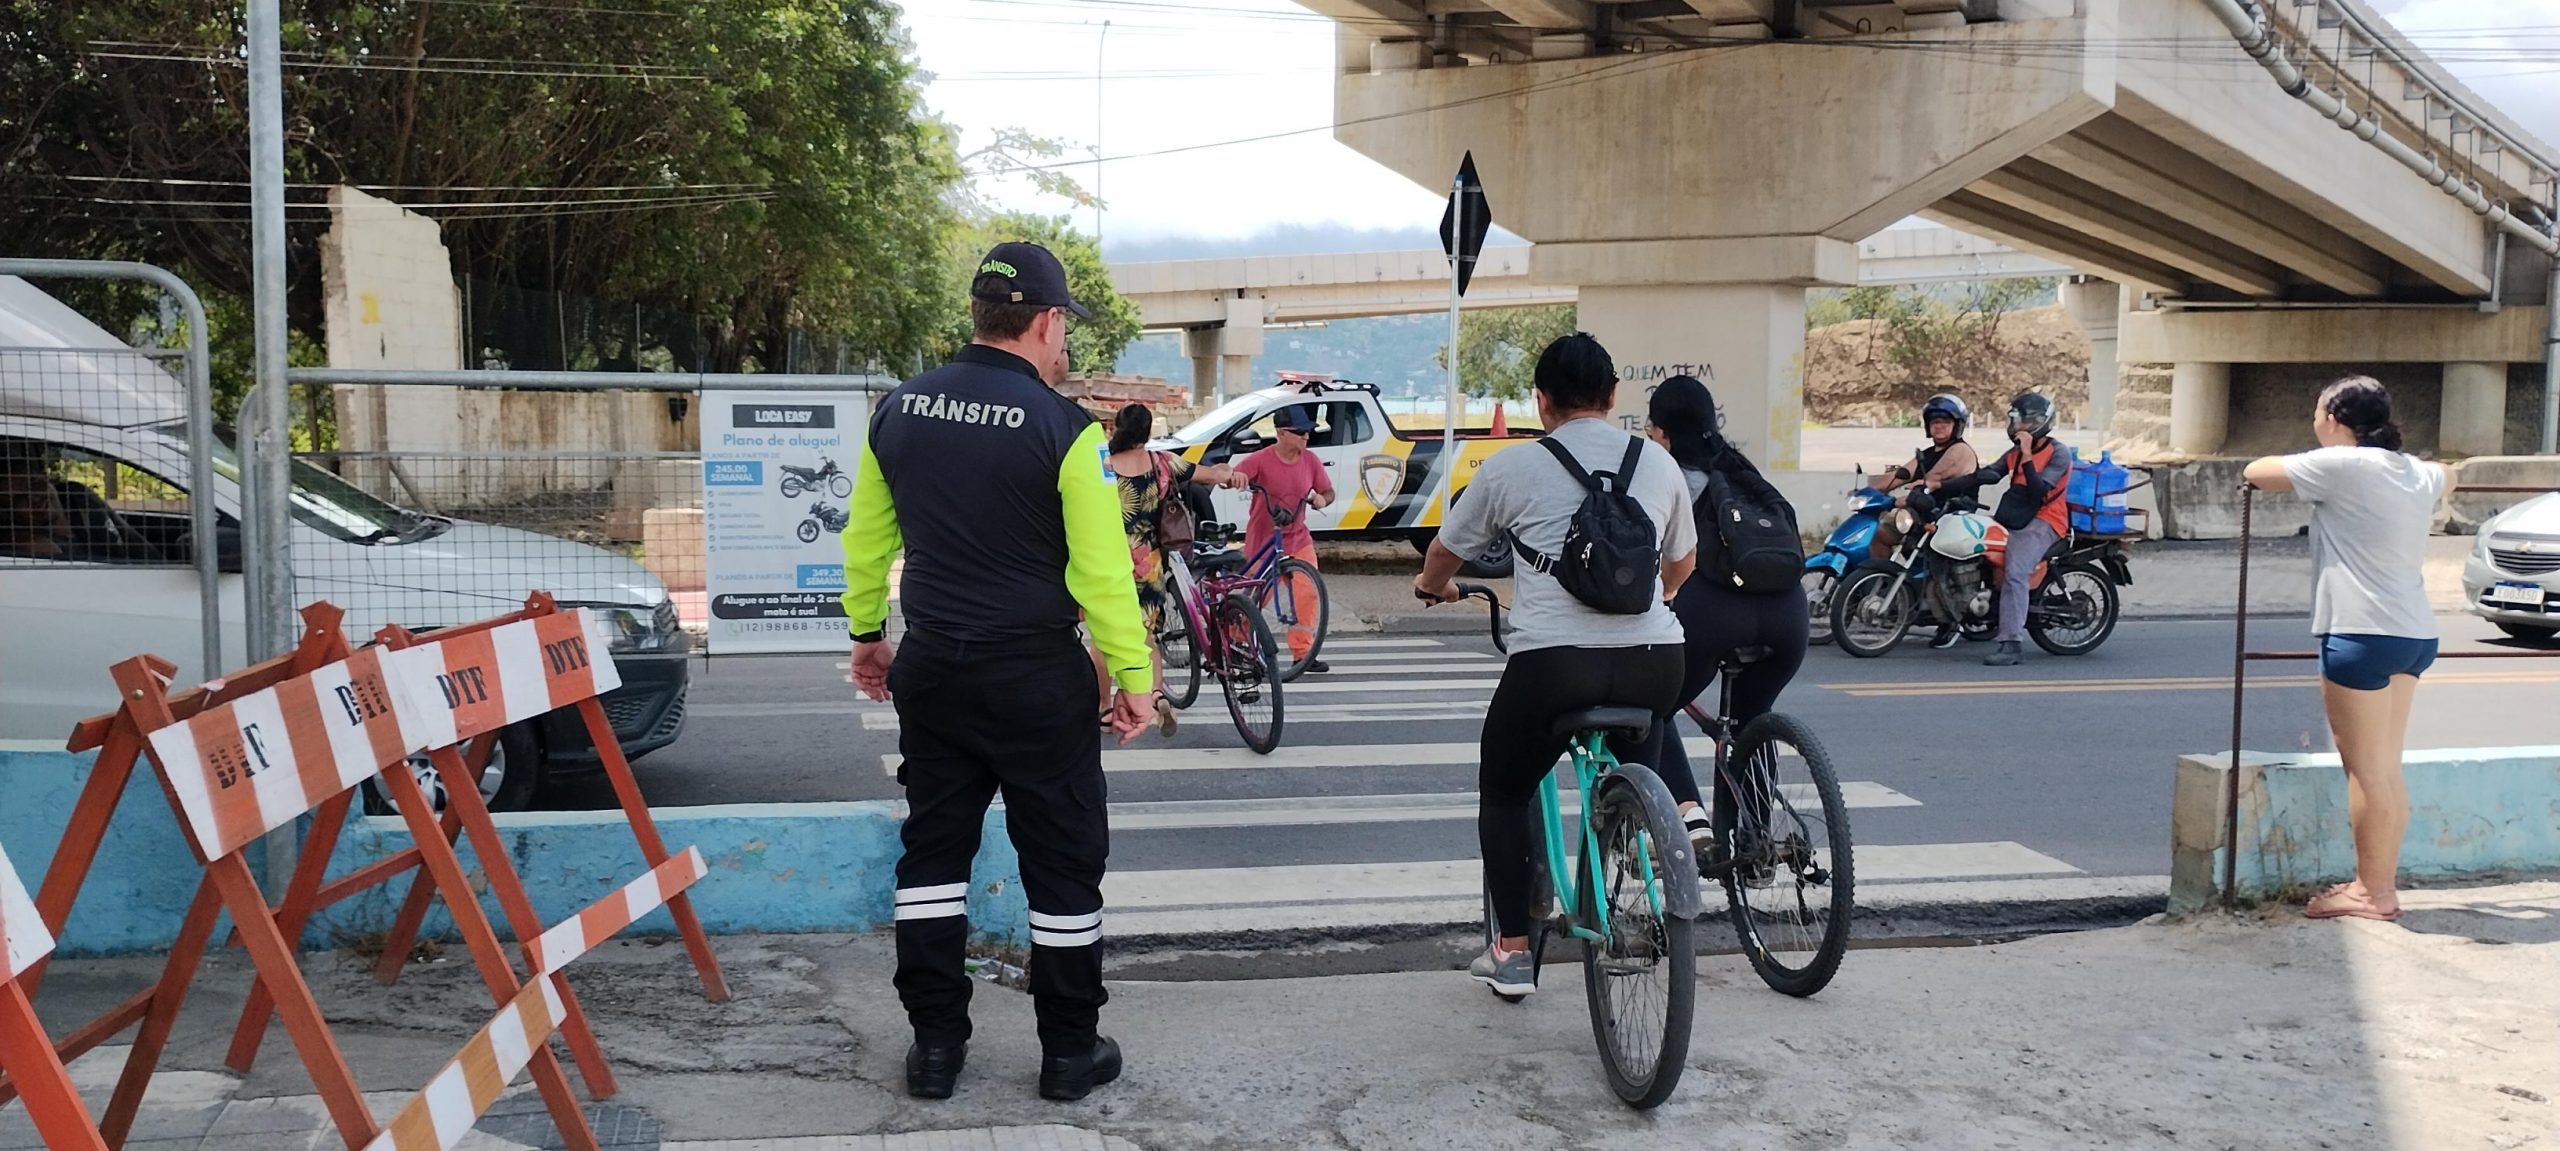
{"points": [[2242, 657]]}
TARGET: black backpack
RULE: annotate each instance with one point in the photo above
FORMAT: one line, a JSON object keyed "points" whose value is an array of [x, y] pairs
{"points": [[1612, 553], [1761, 550]]}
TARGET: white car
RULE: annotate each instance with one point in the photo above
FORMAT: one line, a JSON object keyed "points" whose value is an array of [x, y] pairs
{"points": [[2513, 575], [96, 551]]}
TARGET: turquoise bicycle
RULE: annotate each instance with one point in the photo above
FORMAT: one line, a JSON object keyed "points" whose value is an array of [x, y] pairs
{"points": [[1629, 894]]}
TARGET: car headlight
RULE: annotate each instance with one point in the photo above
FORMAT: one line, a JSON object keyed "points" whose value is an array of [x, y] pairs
{"points": [[636, 629]]}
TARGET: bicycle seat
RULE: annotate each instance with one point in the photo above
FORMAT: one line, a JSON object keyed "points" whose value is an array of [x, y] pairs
{"points": [[1634, 721], [1742, 657], [1222, 560]]}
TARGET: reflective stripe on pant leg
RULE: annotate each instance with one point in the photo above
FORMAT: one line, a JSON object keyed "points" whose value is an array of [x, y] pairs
{"points": [[1065, 930]]}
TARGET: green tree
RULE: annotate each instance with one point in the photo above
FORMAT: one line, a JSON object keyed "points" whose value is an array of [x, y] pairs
{"points": [[1498, 347], [1095, 344], [762, 164]]}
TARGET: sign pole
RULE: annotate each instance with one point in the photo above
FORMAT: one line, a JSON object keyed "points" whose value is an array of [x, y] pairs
{"points": [[1456, 400]]}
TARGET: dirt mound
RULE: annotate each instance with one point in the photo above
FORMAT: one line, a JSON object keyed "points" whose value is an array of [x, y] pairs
{"points": [[1852, 379]]}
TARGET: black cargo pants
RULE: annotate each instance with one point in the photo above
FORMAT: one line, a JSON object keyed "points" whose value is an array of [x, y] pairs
{"points": [[973, 719]]}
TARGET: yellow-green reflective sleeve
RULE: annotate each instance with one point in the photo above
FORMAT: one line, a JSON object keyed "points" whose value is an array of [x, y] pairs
{"points": [[1098, 571], [871, 540]]}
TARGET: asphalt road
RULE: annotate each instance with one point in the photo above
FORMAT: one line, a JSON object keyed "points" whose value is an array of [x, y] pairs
{"points": [[2070, 758]]}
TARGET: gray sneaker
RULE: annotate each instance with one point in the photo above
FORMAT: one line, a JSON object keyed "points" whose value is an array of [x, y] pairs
{"points": [[1511, 976]]}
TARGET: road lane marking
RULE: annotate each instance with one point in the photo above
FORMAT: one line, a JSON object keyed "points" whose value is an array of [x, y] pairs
{"points": [[1331, 643], [1452, 656], [1131, 891], [1335, 755], [2186, 683], [1319, 810]]}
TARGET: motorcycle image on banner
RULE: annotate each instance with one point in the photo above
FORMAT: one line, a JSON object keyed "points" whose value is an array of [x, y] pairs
{"points": [[771, 565]]}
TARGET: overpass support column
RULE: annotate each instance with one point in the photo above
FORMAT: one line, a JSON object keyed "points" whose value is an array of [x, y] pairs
{"points": [[1201, 345], [1744, 339], [2096, 303], [2475, 410], [2199, 408], [1238, 343]]}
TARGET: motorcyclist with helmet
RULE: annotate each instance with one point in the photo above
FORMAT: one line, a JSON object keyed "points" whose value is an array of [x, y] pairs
{"points": [[1947, 457], [2039, 473]]}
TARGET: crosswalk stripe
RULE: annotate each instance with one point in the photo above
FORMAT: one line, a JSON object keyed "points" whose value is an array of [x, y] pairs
{"points": [[1331, 686], [1479, 667], [1335, 755], [1332, 643], [1130, 891], [1315, 810], [1210, 711], [1453, 655]]}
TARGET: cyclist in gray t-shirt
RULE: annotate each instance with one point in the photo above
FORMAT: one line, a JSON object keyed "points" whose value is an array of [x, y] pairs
{"points": [[1565, 656]]}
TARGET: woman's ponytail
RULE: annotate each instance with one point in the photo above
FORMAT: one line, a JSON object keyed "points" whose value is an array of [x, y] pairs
{"points": [[2363, 406]]}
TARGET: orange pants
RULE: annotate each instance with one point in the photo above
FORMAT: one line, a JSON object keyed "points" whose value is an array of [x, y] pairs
{"points": [[1302, 634]]}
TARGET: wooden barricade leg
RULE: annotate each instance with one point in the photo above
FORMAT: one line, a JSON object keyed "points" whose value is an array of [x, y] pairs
{"points": [[27, 1055], [186, 954], [653, 849], [274, 956], [413, 907], [85, 835], [462, 802], [445, 870], [291, 914]]}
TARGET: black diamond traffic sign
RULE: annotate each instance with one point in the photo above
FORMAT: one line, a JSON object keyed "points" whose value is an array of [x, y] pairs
{"points": [[1464, 224]]}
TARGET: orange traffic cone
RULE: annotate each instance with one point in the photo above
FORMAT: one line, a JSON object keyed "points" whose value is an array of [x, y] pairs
{"points": [[1501, 427]]}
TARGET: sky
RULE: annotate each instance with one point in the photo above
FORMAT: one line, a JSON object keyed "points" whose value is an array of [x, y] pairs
{"points": [[1174, 78]]}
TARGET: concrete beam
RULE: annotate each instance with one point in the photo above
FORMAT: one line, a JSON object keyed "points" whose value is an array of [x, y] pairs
{"points": [[2333, 336], [2028, 232], [1805, 261], [1546, 15], [2129, 162], [1737, 11], [1374, 19], [2083, 207]]}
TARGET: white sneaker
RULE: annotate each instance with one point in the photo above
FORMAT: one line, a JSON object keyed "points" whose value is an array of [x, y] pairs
{"points": [[1512, 974]]}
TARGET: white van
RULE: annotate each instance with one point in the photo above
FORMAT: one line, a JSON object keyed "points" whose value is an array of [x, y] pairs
{"points": [[96, 555]]}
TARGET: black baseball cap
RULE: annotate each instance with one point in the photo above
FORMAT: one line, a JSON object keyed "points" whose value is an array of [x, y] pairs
{"points": [[1024, 273], [1294, 418]]}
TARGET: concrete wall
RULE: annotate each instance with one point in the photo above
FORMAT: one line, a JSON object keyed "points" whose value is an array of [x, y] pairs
{"points": [[387, 290], [2471, 811], [774, 867]]}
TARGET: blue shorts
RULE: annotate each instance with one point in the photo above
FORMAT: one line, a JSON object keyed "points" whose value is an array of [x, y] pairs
{"points": [[2367, 662]]}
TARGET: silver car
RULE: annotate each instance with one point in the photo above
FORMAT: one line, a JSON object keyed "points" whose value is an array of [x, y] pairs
{"points": [[2513, 575]]}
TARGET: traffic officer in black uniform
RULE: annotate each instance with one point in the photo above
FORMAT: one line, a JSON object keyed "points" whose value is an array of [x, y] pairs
{"points": [[995, 485]]}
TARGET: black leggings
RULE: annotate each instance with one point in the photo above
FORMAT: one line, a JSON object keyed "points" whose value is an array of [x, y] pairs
{"points": [[1520, 747], [1718, 621]]}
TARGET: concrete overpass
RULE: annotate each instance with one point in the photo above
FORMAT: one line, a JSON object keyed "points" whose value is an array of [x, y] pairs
{"points": [[1691, 166], [1221, 305]]}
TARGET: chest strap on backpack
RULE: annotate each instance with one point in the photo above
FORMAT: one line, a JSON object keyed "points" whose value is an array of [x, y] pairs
{"points": [[1545, 564]]}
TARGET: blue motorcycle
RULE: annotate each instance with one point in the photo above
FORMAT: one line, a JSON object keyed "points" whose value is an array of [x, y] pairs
{"points": [[1841, 554]]}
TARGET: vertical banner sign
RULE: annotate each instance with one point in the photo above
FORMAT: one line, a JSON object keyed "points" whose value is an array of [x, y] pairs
{"points": [[777, 468]]}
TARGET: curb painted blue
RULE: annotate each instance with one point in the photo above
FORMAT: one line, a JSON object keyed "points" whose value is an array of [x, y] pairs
{"points": [[2472, 811], [779, 867]]}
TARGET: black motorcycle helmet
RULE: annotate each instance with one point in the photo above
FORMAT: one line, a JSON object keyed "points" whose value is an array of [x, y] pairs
{"points": [[2031, 413], [1952, 407]]}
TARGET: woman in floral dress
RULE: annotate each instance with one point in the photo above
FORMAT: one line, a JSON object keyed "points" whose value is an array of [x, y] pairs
{"points": [[1146, 479]]}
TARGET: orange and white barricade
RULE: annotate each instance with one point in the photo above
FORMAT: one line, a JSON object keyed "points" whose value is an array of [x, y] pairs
{"points": [[239, 757], [468, 682], [26, 1055]]}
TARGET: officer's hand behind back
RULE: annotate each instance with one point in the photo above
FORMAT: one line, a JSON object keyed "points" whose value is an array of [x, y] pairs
{"points": [[871, 668]]}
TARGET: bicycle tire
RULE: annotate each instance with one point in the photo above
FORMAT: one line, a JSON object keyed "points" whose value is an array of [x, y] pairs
{"points": [[1643, 1062], [1248, 667], [1793, 868], [1181, 662], [1276, 593]]}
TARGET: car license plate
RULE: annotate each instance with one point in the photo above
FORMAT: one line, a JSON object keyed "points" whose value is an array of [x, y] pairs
{"points": [[2518, 594]]}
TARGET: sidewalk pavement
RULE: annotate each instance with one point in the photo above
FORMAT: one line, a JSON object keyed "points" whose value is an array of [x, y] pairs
{"points": [[1371, 585], [2261, 1030]]}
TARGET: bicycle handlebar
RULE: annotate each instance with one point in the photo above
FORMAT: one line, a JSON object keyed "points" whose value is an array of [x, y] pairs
{"points": [[1467, 591]]}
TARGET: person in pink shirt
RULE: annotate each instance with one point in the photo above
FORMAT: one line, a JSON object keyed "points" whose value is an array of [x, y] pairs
{"points": [[1294, 480]]}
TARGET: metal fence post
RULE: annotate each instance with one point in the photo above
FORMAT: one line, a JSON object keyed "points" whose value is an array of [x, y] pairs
{"points": [[267, 459]]}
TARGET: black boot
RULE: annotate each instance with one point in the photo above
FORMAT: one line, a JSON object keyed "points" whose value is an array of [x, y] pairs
{"points": [[932, 1071], [1067, 1078], [2006, 655]]}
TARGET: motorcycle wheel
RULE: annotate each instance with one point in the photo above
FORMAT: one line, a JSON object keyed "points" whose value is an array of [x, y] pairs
{"points": [[840, 486], [1872, 611], [808, 531], [791, 486], [1819, 584], [2074, 611]]}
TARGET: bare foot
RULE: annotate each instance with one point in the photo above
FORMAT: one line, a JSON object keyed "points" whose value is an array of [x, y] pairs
{"points": [[2350, 901]]}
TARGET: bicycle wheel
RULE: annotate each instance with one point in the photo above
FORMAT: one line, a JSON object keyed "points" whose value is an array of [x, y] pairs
{"points": [[1181, 661], [1248, 666], [1642, 980], [1280, 595], [1784, 854]]}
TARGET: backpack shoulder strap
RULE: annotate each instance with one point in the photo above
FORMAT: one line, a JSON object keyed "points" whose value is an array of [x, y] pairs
{"points": [[1627, 467], [1572, 467]]}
